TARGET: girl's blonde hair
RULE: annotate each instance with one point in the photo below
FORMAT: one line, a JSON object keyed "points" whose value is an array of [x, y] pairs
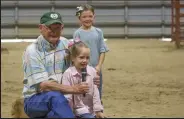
{"points": [[75, 48], [17, 110]]}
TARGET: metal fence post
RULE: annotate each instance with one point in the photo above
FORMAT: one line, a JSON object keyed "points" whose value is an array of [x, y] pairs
{"points": [[16, 20], [52, 5], [163, 19], [126, 19]]}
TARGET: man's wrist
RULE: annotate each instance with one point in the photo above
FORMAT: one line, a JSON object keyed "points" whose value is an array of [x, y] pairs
{"points": [[74, 89], [69, 89]]}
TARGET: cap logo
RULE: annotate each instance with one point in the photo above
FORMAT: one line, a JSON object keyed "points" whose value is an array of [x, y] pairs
{"points": [[54, 16]]}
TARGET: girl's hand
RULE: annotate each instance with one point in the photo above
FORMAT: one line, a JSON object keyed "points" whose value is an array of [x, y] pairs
{"points": [[99, 115]]}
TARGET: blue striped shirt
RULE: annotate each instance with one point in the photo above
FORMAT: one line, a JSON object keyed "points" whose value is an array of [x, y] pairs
{"points": [[41, 62]]}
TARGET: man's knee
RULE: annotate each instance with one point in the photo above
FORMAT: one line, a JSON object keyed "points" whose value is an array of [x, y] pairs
{"points": [[54, 94]]}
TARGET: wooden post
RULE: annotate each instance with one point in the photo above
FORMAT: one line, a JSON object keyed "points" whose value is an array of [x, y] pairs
{"points": [[175, 25]]}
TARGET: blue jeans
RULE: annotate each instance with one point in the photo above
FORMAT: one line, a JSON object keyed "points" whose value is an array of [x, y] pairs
{"points": [[86, 115], [50, 104]]}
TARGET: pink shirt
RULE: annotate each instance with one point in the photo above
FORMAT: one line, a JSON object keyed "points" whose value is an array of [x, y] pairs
{"points": [[91, 103]]}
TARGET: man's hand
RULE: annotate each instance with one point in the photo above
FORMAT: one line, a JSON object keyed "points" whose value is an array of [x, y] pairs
{"points": [[81, 88], [44, 85], [97, 80], [99, 115], [54, 86]]}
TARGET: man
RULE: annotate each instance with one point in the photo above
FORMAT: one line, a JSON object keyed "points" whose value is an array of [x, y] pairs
{"points": [[44, 62]]}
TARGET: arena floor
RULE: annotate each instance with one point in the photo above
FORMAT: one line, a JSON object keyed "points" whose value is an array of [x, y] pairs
{"points": [[142, 78]]}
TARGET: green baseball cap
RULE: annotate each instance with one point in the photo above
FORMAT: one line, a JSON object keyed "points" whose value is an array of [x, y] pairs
{"points": [[51, 18]]}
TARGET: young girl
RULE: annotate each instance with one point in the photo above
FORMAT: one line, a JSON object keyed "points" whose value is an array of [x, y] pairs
{"points": [[88, 106], [92, 37]]}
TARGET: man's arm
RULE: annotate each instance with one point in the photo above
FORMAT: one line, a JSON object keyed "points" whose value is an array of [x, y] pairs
{"points": [[37, 76], [51, 85]]}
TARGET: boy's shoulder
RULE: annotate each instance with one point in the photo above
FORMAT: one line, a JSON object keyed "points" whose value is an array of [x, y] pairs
{"points": [[78, 30], [93, 28], [98, 29]]}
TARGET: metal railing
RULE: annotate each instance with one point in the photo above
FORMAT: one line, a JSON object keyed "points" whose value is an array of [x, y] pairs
{"points": [[121, 19]]}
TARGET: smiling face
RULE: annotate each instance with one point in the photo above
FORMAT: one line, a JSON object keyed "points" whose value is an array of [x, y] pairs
{"points": [[52, 32], [82, 58], [86, 18]]}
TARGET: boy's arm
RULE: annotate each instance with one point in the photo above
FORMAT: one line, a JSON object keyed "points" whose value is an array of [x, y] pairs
{"points": [[103, 50], [100, 62]]}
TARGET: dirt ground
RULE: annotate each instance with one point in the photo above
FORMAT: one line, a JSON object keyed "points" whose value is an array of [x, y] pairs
{"points": [[142, 78]]}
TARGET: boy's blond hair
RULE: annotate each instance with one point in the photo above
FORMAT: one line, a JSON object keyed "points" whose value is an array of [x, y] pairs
{"points": [[17, 110]]}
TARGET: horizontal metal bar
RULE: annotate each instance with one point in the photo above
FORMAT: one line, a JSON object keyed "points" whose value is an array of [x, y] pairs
{"points": [[113, 24], [66, 25]]}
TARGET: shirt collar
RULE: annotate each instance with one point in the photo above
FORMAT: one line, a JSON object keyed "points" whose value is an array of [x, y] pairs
{"points": [[45, 45], [75, 72]]}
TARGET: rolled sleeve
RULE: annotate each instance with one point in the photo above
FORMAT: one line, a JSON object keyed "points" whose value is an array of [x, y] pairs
{"points": [[33, 68], [103, 46]]}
